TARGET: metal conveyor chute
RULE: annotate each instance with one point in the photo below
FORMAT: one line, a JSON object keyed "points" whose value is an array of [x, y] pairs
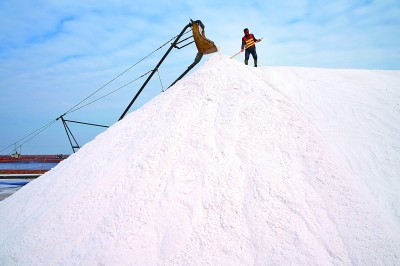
{"points": [[204, 45]]}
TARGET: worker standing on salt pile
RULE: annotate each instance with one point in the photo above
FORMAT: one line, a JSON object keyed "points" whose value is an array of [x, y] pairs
{"points": [[249, 45]]}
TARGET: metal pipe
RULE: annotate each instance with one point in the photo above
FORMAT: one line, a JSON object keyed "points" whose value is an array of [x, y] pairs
{"points": [[154, 70]]}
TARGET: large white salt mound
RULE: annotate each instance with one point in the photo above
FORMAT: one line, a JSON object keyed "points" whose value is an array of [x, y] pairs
{"points": [[233, 165]]}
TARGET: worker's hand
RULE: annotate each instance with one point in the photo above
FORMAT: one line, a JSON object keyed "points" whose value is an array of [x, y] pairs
{"points": [[242, 50], [259, 40]]}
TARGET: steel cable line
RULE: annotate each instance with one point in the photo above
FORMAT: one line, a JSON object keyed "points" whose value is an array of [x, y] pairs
{"points": [[34, 133], [111, 92], [126, 70], [74, 108]]}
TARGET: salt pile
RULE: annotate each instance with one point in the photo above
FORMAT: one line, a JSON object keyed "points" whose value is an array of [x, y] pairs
{"points": [[232, 166]]}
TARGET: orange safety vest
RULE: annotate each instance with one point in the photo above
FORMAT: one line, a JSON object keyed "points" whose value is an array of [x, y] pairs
{"points": [[249, 41]]}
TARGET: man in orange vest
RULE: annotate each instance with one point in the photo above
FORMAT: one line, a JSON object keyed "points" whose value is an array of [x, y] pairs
{"points": [[249, 43]]}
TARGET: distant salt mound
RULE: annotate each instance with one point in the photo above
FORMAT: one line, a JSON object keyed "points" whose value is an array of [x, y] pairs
{"points": [[233, 165]]}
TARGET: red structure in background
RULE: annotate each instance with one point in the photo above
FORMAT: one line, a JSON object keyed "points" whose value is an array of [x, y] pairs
{"points": [[22, 172], [17, 158], [33, 158]]}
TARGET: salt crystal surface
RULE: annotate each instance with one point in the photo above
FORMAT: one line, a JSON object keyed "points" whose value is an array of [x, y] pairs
{"points": [[233, 165]]}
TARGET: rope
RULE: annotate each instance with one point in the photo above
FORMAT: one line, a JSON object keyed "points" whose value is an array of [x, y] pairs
{"points": [[126, 70], [34, 133], [74, 108], [162, 87], [145, 74]]}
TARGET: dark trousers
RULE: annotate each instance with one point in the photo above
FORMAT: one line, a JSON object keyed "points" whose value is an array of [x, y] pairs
{"points": [[252, 51]]}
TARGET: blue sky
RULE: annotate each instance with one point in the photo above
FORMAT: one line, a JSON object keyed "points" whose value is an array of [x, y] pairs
{"points": [[55, 53]]}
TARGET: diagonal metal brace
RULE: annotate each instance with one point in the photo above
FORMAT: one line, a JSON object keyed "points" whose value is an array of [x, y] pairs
{"points": [[155, 69]]}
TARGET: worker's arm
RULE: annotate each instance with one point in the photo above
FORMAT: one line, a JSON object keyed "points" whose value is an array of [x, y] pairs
{"points": [[243, 44]]}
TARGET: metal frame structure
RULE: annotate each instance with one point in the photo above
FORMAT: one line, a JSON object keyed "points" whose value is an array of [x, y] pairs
{"points": [[72, 141], [204, 46]]}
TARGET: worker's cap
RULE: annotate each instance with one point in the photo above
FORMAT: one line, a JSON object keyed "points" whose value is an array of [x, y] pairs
{"points": [[245, 29]]}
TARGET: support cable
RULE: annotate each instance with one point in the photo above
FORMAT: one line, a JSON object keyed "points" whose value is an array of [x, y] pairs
{"points": [[126, 70], [29, 136], [123, 86], [162, 87], [74, 108], [84, 123]]}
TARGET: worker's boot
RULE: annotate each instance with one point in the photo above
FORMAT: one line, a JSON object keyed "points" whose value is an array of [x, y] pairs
{"points": [[246, 62], [255, 63]]}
